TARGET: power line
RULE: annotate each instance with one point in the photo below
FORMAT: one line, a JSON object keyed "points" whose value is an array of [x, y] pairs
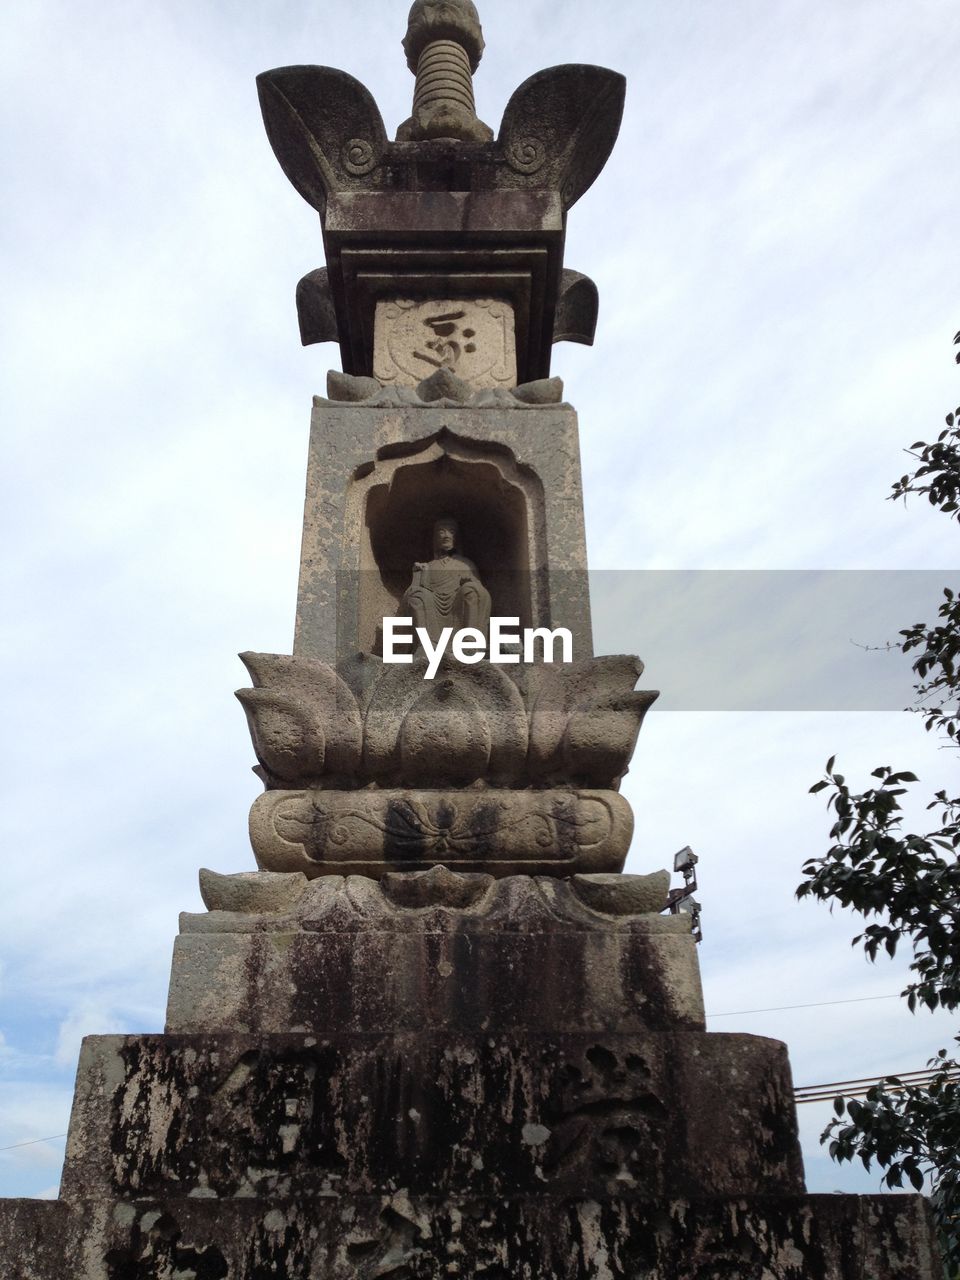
{"points": [[859, 1088], [861, 1080], [33, 1142], [817, 1004]]}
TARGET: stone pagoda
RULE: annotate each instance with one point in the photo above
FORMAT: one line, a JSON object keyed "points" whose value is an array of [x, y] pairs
{"points": [[438, 1033]]}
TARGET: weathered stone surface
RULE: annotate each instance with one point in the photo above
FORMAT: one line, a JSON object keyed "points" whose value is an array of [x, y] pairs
{"points": [[316, 312], [442, 1074], [443, 45], [437, 887], [623, 895], [472, 337], [536, 1238], [377, 478], [577, 306], [349, 958], [503, 833], [556, 133], [584, 719], [442, 388], [656, 1116], [436, 900], [431, 20], [273, 981], [40, 1240], [251, 891], [459, 245], [571, 725]]}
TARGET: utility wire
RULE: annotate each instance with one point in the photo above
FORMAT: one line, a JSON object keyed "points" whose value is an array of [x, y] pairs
{"points": [[33, 1142], [891, 1075], [817, 1004], [860, 1088]]}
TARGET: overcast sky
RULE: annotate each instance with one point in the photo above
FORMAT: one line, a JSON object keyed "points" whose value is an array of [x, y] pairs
{"points": [[774, 243]]}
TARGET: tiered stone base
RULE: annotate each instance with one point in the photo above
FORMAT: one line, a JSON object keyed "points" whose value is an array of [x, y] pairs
{"points": [[440, 1076], [415, 1238]]}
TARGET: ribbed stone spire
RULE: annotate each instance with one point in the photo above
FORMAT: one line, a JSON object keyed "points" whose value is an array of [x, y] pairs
{"points": [[443, 44]]}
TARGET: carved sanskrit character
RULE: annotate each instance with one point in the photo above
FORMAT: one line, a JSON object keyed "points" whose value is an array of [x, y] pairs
{"points": [[444, 345], [446, 591]]}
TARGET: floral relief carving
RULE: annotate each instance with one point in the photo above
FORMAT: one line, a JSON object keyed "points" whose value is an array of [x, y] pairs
{"points": [[355, 832]]}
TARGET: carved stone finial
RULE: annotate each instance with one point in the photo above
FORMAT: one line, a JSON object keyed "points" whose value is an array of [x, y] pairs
{"points": [[443, 44], [445, 205], [455, 20]]}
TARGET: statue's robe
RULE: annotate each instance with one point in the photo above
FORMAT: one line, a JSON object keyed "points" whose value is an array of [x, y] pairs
{"points": [[446, 592]]}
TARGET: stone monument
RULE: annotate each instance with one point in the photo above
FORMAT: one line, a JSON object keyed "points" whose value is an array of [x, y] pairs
{"points": [[439, 1033]]}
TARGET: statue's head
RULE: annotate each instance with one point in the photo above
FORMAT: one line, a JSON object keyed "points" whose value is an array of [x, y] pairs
{"points": [[446, 535]]}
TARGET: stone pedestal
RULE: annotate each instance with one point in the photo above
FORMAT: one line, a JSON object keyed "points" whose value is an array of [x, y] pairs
{"points": [[411, 1238], [443, 1075]]}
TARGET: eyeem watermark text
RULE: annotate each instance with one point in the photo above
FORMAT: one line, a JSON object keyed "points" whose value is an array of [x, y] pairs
{"points": [[505, 643]]}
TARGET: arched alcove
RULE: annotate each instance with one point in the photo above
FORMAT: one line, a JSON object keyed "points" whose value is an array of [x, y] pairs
{"points": [[497, 504]]}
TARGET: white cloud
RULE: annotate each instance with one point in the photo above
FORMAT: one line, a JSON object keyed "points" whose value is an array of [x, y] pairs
{"points": [[91, 1017]]}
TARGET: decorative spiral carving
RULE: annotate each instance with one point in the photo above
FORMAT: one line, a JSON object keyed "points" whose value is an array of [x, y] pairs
{"points": [[359, 157], [526, 155]]}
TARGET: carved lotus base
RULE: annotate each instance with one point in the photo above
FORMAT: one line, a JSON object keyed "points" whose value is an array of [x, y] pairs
{"points": [[500, 832]]}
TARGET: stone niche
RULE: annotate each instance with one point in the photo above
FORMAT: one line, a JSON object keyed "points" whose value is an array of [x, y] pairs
{"points": [[511, 480], [498, 507]]}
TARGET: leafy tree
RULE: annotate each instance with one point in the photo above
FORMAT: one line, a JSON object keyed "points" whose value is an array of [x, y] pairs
{"points": [[906, 884]]}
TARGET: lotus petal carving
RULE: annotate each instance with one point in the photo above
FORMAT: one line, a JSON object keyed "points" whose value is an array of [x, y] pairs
{"points": [[599, 740], [486, 699], [585, 717], [252, 891], [444, 738], [287, 736], [573, 724], [438, 887], [361, 673], [620, 895], [304, 720]]}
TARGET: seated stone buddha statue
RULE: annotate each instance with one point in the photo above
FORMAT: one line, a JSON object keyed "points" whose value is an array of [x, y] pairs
{"points": [[446, 591]]}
